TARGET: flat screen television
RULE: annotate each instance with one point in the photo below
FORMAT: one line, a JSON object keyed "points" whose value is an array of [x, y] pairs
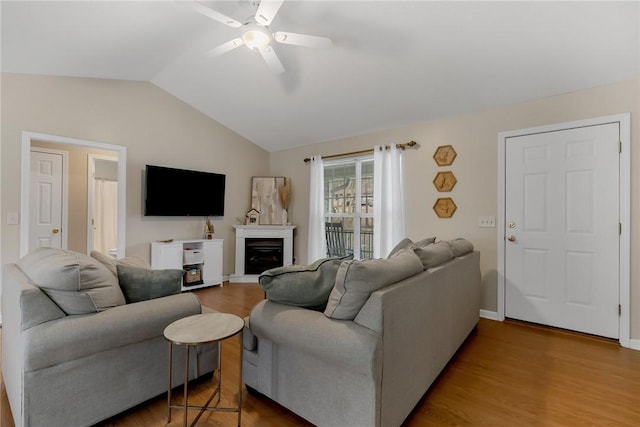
{"points": [[181, 192]]}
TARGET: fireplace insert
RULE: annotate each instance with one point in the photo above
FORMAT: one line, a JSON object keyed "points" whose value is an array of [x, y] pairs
{"points": [[261, 254]]}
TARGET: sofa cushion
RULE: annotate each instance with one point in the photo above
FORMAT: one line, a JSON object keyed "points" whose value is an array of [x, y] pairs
{"points": [[434, 254], [77, 283], [110, 262], [356, 280], [306, 286], [141, 284]]}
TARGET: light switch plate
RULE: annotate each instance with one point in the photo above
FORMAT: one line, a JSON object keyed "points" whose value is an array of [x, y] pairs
{"points": [[487, 221], [13, 218]]}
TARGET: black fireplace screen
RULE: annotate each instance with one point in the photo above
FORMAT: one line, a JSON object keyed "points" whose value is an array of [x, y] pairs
{"points": [[262, 254]]}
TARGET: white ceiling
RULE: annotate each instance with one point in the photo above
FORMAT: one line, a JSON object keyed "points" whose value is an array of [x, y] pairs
{"points": [[392, 62]]}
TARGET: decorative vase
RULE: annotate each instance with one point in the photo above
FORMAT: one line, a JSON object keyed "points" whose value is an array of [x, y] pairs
{"points": [[284, 217]]}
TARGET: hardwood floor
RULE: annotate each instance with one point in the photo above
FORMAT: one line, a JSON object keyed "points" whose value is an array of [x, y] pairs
{"points": [[506, 374]]}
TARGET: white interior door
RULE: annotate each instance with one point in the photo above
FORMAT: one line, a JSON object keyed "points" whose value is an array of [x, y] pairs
{"points": [[46, 228], [562, 221]]}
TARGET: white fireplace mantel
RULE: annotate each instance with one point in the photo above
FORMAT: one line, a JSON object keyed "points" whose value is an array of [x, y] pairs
{"points": [[285, 232]]}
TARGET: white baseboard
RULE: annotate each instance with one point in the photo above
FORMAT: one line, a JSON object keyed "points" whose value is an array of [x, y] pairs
{"points": [[486, 314], [634, 344]]}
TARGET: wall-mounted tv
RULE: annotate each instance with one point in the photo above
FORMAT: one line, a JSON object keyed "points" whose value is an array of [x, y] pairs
{"points": [[181, 192]]}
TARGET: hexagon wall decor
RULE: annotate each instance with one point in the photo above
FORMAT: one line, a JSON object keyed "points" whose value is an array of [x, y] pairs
{"points": [[445, 207], [445, 181], [444, 155]]}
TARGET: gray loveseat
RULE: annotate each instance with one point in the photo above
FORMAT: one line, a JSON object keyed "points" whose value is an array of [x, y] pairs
{"points": [[68, 370], [370, 370]]}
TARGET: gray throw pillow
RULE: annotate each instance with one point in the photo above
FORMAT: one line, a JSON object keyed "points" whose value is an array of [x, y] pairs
{"points": [[408, 243], [110, 262], [460, 246], [356, 280], [434, 254], [425, 242], [77, 283], [306, 286], [402, 244], [141, 284]]}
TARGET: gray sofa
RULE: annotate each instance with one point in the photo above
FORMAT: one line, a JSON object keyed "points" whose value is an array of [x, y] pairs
{"points": [[373, 369], [69, 370]]}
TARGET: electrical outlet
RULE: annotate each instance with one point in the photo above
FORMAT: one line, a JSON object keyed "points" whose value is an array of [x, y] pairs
{"points": [[487, 221]]}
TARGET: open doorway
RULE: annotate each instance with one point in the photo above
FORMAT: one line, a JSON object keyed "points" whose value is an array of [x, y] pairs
{"points": [[102, 204], [114, 152]]}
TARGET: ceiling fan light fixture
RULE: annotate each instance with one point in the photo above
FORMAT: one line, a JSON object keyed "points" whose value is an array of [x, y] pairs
{"points": [[256, 38]]}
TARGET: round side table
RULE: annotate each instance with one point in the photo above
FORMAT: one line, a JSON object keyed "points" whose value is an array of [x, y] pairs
{"points": [[203, 329]]}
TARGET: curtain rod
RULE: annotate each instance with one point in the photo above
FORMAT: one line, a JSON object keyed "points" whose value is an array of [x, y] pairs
{"points": [[370, 150]]}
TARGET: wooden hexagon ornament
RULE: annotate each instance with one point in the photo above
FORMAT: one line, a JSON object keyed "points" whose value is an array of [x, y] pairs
{"points": [[445, 181], [445, 207], [444, 155]]}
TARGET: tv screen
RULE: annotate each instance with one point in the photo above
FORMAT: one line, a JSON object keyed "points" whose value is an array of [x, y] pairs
{"points": [[181, 192]]}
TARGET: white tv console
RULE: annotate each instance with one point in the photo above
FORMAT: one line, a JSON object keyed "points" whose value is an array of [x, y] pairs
{"points": [[177, 254]]}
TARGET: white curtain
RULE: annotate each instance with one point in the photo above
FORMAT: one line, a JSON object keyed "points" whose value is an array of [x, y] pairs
{"points": [[317, 244], [388, 200], [105, 216]]}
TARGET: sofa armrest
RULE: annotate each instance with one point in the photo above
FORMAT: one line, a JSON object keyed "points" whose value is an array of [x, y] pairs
{"points": [[341, 342], [73, 337]]}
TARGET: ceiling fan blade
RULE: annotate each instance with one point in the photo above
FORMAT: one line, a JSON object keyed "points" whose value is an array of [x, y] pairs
{"points": [[301, 39], [225, 47], [267, 11], [215, 15], [272, 60]]}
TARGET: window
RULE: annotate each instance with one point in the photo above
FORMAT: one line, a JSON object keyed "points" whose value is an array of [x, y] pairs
{"points": [[348, 200]]}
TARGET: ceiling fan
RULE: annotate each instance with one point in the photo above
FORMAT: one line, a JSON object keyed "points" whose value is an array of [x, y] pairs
{"points": [[256, 34]]}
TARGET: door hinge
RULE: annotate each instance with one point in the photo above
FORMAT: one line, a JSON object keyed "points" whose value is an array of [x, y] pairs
{"points": [[619, 309], [620, 228], [619, 146]]}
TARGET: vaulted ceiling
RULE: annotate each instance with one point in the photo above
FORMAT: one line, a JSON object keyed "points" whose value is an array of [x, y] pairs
{"points": [[392, 62]]}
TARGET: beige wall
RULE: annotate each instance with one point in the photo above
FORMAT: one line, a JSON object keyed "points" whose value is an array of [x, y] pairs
{"points": [[159, 129], [475, 138], [156, 128]]}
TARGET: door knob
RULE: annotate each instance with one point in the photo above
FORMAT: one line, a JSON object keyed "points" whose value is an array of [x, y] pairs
{"points": [[55, 230], [511, 238]]}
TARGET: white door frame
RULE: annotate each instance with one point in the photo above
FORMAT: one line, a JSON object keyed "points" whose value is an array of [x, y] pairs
{"points": [[27, 137], [91, 193], [64, 220], [625, 210]]}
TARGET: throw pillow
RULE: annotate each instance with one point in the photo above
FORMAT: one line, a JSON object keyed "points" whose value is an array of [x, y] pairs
{"points": [[141, 284], [306, 286], [460, 246], [425, 242], [110, 262], [406, 243], [402, 244], [356, 280], [77, 283], [434, 254]]}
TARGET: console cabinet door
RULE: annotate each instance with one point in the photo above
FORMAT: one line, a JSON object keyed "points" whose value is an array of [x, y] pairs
{"points": [[212, 267], [167, 256]]}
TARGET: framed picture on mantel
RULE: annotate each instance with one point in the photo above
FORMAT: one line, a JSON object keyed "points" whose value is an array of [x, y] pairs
{"points": [[265, 198]]}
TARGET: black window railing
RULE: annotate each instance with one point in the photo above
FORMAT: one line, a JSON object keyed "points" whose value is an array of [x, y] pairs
{"points": [[366, 243]]}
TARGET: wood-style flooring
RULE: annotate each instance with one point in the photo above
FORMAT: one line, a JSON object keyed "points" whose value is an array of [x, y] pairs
{"points": [[506, 374]]}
